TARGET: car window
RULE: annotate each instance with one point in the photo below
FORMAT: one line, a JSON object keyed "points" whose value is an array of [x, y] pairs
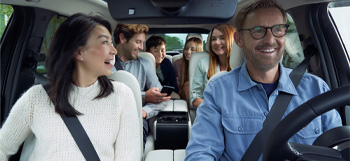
{"points": [[50, 31], [338, 10], [175, 42], [5, 14], [293, 51]]}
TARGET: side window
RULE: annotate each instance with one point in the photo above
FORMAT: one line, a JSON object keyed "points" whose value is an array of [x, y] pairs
{"points": [[50, 31], [5, 14], [175, 42], [293, 51], [338, 10]]}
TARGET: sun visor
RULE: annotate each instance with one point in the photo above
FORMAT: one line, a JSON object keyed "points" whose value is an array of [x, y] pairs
{"points": [[172, 11]]}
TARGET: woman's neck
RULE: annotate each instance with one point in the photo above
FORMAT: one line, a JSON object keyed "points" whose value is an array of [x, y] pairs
{"points": [[222, 62], [82, 80]]}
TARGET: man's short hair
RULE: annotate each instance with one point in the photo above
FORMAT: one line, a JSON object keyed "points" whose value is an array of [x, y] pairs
{"points": [[154, 41], [259, 4], [129, 30]]}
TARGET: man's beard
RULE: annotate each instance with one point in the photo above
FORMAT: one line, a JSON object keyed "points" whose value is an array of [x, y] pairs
{"points": [[263, 62], [131, 55]]}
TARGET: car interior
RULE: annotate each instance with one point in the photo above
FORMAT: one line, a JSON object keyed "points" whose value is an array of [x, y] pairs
{"points": [[27, 27]]}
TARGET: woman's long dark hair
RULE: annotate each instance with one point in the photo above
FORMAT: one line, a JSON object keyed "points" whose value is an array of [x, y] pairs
{"points": [[60, 64]]}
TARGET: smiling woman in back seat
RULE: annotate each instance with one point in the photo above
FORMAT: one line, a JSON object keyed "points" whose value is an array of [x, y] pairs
{"points": [[181, 66], [220, 44], [81, 55]]}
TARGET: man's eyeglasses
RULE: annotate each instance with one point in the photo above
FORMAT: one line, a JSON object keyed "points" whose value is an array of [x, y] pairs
{"points": [[259, 32]]}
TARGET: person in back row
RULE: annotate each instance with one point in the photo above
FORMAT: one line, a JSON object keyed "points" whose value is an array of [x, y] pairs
{"points": [[181, 66], [220, 44], [164, 68], [80, 57], [236, 103], [129, 39]]}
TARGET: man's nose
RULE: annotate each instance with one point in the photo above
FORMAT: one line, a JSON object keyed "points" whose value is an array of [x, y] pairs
{"points": [[269, 38]]}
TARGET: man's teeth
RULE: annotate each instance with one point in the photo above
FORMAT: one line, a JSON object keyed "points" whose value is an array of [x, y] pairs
{"points": [[268, 50]]}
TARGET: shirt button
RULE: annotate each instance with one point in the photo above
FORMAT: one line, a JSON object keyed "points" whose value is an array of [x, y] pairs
{"points": [[266, 113], [317, 131], [240, 128]]}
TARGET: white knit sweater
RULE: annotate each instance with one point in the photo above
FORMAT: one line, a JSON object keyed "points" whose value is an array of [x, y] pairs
{"points": [[111, 124]]}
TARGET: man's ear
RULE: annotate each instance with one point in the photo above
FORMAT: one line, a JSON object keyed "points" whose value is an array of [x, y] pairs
{"points": [[238, 39], [122, 38], [78, 55]]}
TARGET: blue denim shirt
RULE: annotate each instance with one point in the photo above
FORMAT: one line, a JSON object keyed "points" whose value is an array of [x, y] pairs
{"points": [[235, 107]]}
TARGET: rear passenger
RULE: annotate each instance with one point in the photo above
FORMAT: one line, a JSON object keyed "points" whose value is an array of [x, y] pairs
{"points": [[220, 45], [181, 66], [164, 69]]}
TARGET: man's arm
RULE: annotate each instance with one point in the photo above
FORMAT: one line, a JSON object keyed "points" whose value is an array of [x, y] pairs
{"points": [[153, 109], [207, 138], [153, 86], [155, 101]]}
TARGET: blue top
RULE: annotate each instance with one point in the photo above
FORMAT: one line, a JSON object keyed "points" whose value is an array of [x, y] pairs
{"points": [[235, 107], [146, 78], [169, 74]]}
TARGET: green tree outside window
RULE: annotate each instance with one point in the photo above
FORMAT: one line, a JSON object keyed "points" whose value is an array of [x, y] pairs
{"points": [[5, 14]]}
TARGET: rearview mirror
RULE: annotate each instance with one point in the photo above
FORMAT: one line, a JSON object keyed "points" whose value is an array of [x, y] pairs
{"points": [[172, 11]]}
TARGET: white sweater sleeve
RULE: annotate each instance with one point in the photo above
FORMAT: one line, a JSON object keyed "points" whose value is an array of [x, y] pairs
{"points": [[128, 143], [17, 126]]}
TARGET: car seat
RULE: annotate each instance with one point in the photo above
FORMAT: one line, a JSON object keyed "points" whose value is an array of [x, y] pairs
{"points": [[169, 57], [176, 57], [149, 57], [190, 35], [130, 80]]}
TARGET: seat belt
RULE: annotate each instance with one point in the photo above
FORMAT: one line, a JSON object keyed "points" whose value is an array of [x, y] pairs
{"points": [[74, 126], [275, 115]]}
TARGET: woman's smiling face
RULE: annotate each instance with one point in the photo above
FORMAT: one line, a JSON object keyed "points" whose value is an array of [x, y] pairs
{"points": [[98, 54]]}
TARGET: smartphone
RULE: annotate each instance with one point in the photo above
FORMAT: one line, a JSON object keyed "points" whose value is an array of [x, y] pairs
{"points": [[167, 89]]}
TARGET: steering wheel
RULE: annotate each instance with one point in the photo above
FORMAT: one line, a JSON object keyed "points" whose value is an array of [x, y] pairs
{"points": [[278, 147]]}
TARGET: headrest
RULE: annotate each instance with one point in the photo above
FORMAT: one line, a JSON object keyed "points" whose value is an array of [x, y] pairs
{"points": [[190, 35], [177, 57], [149, 57], [169, 57], [207, 43], [236, 56]]}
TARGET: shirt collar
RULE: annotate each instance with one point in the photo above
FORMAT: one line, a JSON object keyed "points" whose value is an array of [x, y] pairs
{"points": [[121, 61], [285, 84]]}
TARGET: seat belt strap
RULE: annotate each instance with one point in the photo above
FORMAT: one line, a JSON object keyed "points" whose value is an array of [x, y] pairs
{"points": [[275, 115], [75, 128]]}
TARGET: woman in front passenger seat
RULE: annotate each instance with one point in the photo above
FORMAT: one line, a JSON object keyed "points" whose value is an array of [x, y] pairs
{"points": [[220, 44], [80, 57]]}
